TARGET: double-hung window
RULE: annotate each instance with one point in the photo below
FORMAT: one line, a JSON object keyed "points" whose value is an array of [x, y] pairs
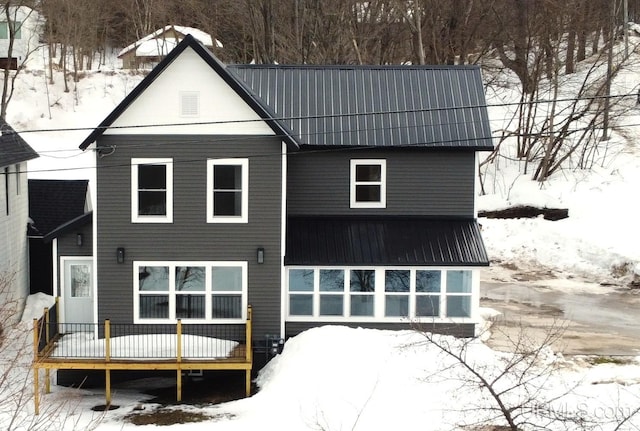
{"points": [[228, 191], [368, 183], [195, 292], [152, 190]]}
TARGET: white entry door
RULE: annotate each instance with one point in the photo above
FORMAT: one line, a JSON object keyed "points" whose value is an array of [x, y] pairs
{"points": [[78, 291]]}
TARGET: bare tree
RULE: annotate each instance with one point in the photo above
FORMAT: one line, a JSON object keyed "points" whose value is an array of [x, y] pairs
{"points": [[22, 25]]}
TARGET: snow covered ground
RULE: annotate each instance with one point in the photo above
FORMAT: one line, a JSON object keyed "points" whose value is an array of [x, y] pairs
{"points": [[335, 378]]}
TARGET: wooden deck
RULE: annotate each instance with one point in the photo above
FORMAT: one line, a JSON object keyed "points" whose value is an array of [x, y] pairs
{"points": [[47, 358]]}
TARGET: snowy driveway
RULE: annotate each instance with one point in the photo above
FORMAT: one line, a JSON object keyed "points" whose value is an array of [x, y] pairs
{"points": [[599, 320]]}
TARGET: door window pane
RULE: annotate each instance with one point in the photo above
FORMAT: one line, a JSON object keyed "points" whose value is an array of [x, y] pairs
{"points": [[80, 281]]}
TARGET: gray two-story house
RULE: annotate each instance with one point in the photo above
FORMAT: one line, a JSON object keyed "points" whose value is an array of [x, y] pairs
{"points": [[316, 194]]}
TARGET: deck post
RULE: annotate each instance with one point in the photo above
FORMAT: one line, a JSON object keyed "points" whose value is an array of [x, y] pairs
{"points": [[249, 352], [107, 358], [47, 381], [36, 395], [178, 360]]}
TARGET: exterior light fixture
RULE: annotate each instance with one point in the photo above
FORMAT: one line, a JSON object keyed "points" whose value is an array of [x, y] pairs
{"points": [[79, 240], [260, 255], [120, 255]]}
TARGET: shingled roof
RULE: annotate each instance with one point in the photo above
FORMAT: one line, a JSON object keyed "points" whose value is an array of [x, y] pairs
{"points": [[360, 106], [13, 149], [52, 203]]}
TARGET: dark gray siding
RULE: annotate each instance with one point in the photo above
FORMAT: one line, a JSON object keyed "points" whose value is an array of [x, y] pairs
{"points": [[456, 329], [189, 237], [431, 183], [67, 245]]}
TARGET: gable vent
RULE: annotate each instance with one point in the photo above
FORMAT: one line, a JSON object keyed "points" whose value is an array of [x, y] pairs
{"points": [[189, 104]]}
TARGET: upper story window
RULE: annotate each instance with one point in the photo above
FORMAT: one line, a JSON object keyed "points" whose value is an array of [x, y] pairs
{"points": [[6, 189], [368, 183], [152, 190], [227, 191], [4, 30]]}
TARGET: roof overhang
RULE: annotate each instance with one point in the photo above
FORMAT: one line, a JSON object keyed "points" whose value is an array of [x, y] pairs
{"points": [[384, 241]]}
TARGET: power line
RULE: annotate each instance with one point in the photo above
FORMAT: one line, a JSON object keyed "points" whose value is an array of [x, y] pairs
{"points": [[324, 116]]}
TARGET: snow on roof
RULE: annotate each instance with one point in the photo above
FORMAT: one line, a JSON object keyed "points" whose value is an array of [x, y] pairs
{"points": [[144, 47]]}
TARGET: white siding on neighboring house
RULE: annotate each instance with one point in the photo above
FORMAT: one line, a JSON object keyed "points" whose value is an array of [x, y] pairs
{"points": [[13, 230], [28, 23], [190, 91]]}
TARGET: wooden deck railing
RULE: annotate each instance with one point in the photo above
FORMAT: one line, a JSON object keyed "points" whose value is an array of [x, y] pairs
{"points": [[108, 346]]}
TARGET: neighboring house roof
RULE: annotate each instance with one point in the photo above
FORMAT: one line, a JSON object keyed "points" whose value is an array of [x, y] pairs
{"points": [[13, 149], [69, 226], [405, 241], [52, 203], [373, 106], [154, 44]]}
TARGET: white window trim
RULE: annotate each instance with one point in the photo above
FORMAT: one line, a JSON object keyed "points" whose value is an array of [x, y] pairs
{"points": [[244, 217], [382, 183], [379, 296], [171, 293], [137, 218]]}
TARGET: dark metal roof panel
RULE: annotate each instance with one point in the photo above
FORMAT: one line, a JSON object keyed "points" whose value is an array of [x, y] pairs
{"points": [[13, 149], [427, 106], [384, 241]]}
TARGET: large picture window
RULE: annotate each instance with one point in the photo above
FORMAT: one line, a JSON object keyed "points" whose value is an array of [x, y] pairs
{"points": [[368, 183], [4, 30], [152, 190], [227, 191], [379, 294], [195, 292]]}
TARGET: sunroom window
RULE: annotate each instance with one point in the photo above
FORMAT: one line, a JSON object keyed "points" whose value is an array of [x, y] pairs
{"points": [[379, 294]]}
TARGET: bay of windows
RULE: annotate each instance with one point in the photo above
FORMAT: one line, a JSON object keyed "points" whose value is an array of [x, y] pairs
{"points": [[191, 291], [379, 293]]}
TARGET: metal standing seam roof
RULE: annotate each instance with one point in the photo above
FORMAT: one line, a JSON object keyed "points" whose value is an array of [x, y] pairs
{"points": [[375, 106], [13, 149], [366, 106], [401, 241]]}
